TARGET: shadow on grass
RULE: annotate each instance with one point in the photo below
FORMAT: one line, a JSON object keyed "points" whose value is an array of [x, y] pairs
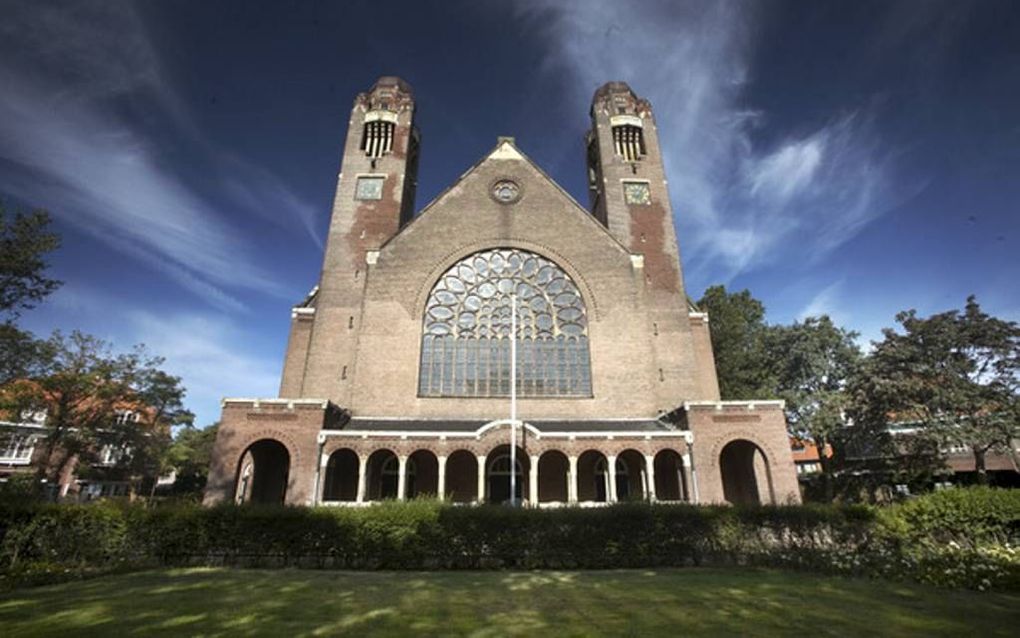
{"points": [[647, 602]]}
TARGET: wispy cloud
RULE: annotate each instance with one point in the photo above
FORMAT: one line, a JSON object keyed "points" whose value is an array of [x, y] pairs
{"points": [[739, 204], [210, 353], [87, 120], [825, 302], [788, 171]]}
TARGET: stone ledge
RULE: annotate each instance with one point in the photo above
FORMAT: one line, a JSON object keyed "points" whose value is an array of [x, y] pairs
{"points": [[733, 405]]}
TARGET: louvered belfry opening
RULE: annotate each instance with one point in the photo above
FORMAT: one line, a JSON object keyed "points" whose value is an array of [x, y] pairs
{"points": [[629, 142], [377, 139]]}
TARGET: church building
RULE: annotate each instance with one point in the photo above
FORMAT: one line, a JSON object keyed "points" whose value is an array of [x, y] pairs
{"points": [[401, 362]]}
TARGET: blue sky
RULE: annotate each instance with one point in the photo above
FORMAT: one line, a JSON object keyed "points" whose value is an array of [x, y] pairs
{"points": [[850, 158]]}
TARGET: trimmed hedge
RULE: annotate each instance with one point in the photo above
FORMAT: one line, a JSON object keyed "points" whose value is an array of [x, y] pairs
{"points": [[956, 538]]}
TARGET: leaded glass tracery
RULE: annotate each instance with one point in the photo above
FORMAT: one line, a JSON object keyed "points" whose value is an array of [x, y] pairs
{"points": [[466, 333]]}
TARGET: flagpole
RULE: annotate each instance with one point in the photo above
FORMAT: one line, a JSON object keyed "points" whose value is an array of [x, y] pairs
{"points": [[513, 400]]}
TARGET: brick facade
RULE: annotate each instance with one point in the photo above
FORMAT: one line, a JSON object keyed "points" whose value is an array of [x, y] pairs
{"points": [[352, 366]]}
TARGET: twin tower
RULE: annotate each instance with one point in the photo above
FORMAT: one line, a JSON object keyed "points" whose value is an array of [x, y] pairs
{"points": [[375, 194]]}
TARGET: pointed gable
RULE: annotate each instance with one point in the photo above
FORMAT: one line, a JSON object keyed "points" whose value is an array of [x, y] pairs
{"points": [[541, 200]]}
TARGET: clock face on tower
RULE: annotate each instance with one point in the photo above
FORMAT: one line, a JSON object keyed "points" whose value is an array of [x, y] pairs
{"points": [[369, 188], [637, 193]]}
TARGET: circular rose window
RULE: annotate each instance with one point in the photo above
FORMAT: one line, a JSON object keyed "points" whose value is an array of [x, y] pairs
{"points": [[506, 191]]}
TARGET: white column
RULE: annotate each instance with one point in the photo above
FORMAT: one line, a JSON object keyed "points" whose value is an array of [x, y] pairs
{"points": [[481, 479], [692, 478], [533, 482], [402, 478], [362, 469], [572, 480], [441, 488], [317, 483], [650, 473], [321, 472], [611, 477]]}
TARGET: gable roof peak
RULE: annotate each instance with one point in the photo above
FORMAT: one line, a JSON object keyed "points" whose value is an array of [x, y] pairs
{"points": [[506, 149]]}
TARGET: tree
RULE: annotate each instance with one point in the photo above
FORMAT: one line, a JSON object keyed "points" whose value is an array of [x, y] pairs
{"points": [[21, 354], [190, 455], [738, 339], [953, 376], [85, 391], [158, 399], [811, 362], [24, 242]]}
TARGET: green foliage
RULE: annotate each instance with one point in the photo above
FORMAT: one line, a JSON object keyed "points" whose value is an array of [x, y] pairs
{"points": [[970, 533], [25, 239], [968, 517], [956, 538], [21, 354], [82, 386], [738, 332], [69, 535], [190, 455], [811, 362], [20, 490], [954, 376]]}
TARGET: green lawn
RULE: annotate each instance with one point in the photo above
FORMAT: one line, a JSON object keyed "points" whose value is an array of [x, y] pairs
{"points": [[688, 602]]}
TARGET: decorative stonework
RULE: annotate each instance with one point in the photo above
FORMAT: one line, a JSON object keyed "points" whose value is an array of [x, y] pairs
{"points": [[514, 242], [468, 319], [506, 191]]}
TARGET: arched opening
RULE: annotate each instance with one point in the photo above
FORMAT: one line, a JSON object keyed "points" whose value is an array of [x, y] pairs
{"points": [[425, 479], [341, 482], [591, 485], [497, 475], [631, 476], [553, 477], [745, 474], [670, 484], [263, 473], [383, 475], [462, 477]]}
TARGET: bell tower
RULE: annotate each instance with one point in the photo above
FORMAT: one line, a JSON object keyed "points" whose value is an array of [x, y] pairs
{"points": [[627, 183], [628, 194], [374, 199]]}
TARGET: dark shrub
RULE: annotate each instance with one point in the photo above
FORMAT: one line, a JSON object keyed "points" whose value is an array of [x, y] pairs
{"points": [[955, 538]]}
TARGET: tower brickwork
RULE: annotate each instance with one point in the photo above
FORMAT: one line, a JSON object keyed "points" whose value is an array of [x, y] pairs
{"points": [[628, 193], [374, 199]]}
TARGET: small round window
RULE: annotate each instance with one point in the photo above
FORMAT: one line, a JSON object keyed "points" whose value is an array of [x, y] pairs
{"points": [[506, 191]]}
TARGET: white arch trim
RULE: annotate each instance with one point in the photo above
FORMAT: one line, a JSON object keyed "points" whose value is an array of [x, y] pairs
{"points": [[494, 425]]}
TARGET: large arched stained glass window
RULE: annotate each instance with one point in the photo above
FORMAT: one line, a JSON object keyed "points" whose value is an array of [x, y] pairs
{"points": [[465, 349]]}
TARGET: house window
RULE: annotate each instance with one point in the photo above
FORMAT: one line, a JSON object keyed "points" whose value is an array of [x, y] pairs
{"points": [[466, 329], [369, 187], [18, 450], [123, 417], [111, 454]]}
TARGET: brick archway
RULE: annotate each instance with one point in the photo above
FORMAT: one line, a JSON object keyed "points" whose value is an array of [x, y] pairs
{"points": [[263, 473], [746, 473]]}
